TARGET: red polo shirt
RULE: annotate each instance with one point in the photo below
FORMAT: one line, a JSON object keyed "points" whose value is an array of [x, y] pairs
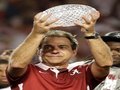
{"points": [[42, 77]]}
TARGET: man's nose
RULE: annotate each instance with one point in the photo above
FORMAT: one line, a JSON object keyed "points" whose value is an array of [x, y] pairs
{"points": [[115, 54], [3, 73], [55, 50]]}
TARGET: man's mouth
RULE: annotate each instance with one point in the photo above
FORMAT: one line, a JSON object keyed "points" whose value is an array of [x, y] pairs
{"points": [[4, 80]]}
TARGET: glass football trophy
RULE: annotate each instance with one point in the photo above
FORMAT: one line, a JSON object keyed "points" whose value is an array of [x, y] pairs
{"points": [[69, 13]]}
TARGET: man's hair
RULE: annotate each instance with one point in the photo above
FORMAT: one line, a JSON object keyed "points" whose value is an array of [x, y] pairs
{"points": [[59, 33], [4, 57], [112, 37]]}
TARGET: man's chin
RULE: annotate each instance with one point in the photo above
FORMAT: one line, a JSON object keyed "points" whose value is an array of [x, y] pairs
{"points": [[4, 85], [116, 64], [55, 63]]}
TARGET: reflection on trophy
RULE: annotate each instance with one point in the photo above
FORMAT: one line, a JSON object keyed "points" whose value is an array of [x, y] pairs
{"points": [[69, 13]]}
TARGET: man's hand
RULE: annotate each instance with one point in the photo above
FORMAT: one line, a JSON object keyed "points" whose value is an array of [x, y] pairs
{"points": [[41, 23], [88, 26]]}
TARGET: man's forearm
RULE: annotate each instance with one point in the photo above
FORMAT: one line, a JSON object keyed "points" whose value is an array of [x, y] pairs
{"points": [[101, 52], [23, 54]]}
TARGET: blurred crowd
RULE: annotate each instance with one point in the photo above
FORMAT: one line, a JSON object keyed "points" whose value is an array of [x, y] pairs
{"points": [[16, 20]]}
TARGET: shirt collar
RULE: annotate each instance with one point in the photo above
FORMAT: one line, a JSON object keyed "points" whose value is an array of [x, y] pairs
{"points": [[43, 66], [70, 66]]}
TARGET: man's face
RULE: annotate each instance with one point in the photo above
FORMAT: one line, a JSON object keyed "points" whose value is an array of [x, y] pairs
{"points": [[57, 51], [3, 78], [115, 48]]}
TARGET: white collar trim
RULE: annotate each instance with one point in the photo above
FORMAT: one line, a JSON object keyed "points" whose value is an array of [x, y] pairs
{"points": [[70, 66]]}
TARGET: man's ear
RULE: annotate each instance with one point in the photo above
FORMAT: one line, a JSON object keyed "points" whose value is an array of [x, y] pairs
{"points": [[75, 52], [38, 52]]}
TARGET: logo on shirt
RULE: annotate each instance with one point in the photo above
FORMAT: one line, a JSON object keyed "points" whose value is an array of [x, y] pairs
{"points": [[75, 71]]}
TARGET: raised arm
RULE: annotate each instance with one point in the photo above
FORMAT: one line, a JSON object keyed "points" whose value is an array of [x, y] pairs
{"points": [[100, 51], [24, 53]]}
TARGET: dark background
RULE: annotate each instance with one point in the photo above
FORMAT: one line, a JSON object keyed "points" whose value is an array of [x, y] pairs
{"points": [[16, 20]]}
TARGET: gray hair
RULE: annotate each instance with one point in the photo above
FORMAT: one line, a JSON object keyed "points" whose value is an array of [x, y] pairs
{"points": [[59, 33]]}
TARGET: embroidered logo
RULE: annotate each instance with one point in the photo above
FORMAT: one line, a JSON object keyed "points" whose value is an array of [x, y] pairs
{"points": [[75, 72]]}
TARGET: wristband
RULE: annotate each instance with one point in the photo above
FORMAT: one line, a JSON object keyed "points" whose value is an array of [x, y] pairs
{"points": [[94, 36]]}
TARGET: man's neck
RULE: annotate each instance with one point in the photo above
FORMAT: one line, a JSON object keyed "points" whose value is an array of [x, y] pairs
{"points": [[3, 86], [57, 66]]}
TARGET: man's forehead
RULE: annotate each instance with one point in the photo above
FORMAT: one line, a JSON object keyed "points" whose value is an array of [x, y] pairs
{"points": [[51, 39], [114, 44], [57, 41]]}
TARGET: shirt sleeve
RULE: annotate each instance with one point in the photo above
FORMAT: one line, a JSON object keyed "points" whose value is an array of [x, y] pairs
{"points": [[91, 80], [15, 81]]}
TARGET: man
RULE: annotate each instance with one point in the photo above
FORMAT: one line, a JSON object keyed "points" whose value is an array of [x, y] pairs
{"points": [[56, 48], [112, 81], [4, 84]]}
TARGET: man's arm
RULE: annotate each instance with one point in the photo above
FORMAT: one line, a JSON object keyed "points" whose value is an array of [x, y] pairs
{"points": [[102, 56], [24, 53], [100, 51]]}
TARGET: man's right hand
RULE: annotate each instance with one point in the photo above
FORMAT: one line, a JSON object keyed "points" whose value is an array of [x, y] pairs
{"points": [[41, 24]]}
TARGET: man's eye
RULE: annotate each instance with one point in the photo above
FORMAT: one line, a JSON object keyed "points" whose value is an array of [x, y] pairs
{"points": [[117, 49], [62, 47], [47, 47]]}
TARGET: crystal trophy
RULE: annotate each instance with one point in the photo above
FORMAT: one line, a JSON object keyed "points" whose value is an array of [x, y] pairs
{"points": [[69, 13]]}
